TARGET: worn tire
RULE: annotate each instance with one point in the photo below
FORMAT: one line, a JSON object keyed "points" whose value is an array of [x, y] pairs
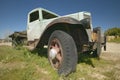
{"points": [[69, 52], [97, 51]]}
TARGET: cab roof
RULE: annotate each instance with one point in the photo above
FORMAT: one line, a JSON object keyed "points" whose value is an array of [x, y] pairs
{"points": [[42, 9]]}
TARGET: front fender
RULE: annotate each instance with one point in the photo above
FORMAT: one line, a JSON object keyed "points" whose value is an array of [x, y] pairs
{"points": [[63, 20], [85, 22]]}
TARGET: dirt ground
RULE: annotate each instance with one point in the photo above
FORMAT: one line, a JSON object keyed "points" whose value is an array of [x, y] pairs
{"points": [[7, 43], [113, 48], [112, 51]]}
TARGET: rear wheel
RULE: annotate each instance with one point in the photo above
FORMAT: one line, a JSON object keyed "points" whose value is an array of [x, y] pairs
{"points": [[97, 51], [62, 52]]}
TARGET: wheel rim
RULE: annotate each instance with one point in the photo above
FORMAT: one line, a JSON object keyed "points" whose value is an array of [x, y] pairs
{"points": [[57, 60]]}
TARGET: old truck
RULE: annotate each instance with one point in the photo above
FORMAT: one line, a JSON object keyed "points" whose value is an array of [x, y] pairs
{"points": [[63, 36]]}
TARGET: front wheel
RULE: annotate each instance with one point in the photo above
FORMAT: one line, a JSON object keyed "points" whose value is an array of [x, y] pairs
{"points": [[62, 52]]}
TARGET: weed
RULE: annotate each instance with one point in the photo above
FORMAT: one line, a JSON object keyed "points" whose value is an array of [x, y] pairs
{"points": [[21, 64], [116, 40]]}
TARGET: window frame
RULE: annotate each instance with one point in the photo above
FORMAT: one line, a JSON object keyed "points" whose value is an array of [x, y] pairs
{"points": [[34, 16]]}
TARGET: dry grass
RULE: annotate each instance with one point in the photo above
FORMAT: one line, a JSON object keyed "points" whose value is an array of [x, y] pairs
{"points": [[21, 64]]}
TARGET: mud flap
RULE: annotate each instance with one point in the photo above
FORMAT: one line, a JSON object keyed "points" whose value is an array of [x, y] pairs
{"points": [[104, 43]]}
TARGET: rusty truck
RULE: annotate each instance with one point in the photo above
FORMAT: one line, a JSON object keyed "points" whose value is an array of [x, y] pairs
{"points": [[63, 36]]}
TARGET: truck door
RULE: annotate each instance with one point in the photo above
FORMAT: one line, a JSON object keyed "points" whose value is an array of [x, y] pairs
{"points": [[33, 26]]}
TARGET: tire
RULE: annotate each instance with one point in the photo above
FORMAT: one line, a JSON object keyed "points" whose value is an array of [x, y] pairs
{"points": [[97, 51], [67, 50]]}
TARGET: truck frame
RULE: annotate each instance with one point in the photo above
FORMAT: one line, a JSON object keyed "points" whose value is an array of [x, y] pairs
{"points": [[63, 36]]}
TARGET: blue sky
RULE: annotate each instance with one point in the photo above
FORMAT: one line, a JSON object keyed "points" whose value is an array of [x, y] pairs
{"points": [[13, 13]]}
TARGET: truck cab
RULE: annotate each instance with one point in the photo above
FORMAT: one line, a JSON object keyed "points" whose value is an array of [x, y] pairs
{"points": [[35, 22]]}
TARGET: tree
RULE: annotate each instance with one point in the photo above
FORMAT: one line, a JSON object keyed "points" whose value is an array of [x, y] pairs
{"points": [[115, 31]]}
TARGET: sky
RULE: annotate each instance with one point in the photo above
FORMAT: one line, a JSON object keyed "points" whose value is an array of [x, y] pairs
{"points": [[13, 13]]}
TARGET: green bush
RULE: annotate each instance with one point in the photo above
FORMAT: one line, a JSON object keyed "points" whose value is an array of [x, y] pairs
{"points": [[113, 32]]}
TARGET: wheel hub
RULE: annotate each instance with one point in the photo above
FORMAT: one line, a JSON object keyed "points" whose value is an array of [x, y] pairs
{"points": [[53, 53]]}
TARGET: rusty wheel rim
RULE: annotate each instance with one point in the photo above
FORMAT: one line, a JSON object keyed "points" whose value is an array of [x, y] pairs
{"points": [[57, 61]]}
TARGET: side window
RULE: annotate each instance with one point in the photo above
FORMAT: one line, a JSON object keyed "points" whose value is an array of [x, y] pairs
{"points": [[47, 15], [34, 16]]}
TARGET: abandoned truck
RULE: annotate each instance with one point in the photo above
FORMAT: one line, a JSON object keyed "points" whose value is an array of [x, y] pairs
{"points": [[63, 36]]}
